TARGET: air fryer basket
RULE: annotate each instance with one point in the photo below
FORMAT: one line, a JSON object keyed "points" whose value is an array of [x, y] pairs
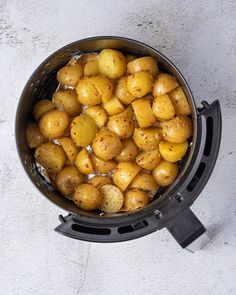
{"points": [[171, 208]]}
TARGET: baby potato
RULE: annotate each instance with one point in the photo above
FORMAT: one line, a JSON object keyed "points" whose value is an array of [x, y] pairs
{"points": [[124, 173], [180, 101], [87, 57], [147, 139], [102, 166], [143, 113], [122, 93], [103, 86], [51, 156], [87, 92], [163, 108], [165, 173], [113, 106], [130, 57], [112, 63], [99, 180], [98, 114], [53, 124], [41, 107], [123, 127], [127, 113], [129, 151], [83, 130], [67, 101], [173, 152], [144, 181], [135, 199], [91, 68], [34, 136], [148, 159], [164, 84], [68, 179], [83, 162], [178, 129], [87, 197], [70, 74], [69, 148], [143, 64], [139, 84], [112, 198], [106, 145]]}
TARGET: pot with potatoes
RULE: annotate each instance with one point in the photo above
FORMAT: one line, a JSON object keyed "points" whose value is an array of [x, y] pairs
{"points": [[108, 130]]}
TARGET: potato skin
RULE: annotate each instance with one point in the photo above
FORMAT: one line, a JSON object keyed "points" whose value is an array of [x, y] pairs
{"points": [[83, 162], [144, 181], [129, 151], [112, 63], [91, 68], [139, 84], [34, 136], [99, 180], [87, 197], [180, 102], [122, 93], [135, 199], [123, 127], [164, 84], [127, 113], [83, 130], [112, 198], [98, 114], [103, 86], [53, 124], [106, 145], [178, 129], [148, 159], [113, 106], [163, 108], [143, 112], [146, 63], [69, 148], [147, 139], [41, 107], [87, 92], [68, 179], [51, 156], [102, 166], [70, 74], [165, 173], [173, 152]]}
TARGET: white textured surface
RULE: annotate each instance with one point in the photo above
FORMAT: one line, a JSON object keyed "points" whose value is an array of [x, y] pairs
{"points": [[199, 37]]}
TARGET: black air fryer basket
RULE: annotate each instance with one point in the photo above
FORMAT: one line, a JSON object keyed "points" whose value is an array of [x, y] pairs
{"points": [[172, 207]]}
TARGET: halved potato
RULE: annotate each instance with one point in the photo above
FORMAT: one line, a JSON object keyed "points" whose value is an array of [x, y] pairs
{"points": [[122, 93], [87, 92], [69, 148], [123, 127], [139, 84], [102, 166], [163, 108], [143, 112], [112, 198], [99, 181], [127, 113], [83, 162], [135, 199], [144, 181], [164, 84], [103, 86], [113, 106], [173, 152], [147, 139], [165, 173], [34, 136], [98, 114], [87, 197], [146, 63], [129, 151], [41, 107], [91, 68], [180, 101], [148, 159]]}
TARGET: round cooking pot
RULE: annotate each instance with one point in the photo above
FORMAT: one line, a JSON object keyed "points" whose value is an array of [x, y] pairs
{"points": [[170, 207]]}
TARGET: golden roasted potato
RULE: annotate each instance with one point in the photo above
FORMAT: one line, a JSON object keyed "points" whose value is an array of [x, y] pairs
{"points": [[139, 84], [178, 129], [67, 101], [145, 182], [112, 63], [180, 101], [130, 57], [87, 197], [112, 198], [124, 173], [87, 92], [68, 179], [122, 93], [123, 127], [147, 139], [102, 166], [103, 86], [34, 136], [99, 180], [53, 124], [165, 173], [173, 152], [164, 84], [41, 107], [69, 148], [127, 113], [143, 64], [98, 114], [51, 156], [129, 151], [87, 57], [70, 74], [113, 106], [148, 159], [135, 199], [83, 130], [106, 145], [143, 112], [83, 162], [91, 68], [163, 108]]}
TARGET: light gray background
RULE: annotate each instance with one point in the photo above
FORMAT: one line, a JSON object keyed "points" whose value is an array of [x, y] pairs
{"points": [[199, 37]]}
